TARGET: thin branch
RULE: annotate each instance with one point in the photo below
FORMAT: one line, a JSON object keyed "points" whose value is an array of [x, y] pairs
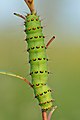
{"points": [[19, 15], [49, 42], [44, 115], [17, 76], [30, 4], [51, 112]]}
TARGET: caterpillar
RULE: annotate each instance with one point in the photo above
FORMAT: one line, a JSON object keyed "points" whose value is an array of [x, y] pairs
{"points": [[37, 59]]}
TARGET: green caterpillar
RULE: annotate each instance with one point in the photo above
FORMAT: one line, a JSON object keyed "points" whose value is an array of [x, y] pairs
{"points": [[38, 61]]}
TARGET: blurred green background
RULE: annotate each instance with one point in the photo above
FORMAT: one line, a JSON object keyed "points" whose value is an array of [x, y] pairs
{"points": [[61, 18]]}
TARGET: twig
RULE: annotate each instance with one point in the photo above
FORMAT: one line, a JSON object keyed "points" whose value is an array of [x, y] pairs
{"points": [[17, 76], [44, 115], [30, 4], [51, 112], [19, 15], [49, 42]]}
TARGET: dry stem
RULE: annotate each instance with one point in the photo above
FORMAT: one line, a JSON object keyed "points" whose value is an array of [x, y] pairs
{"points": [[49, 42], [19, 15], [51, 112], [17, 76], [30, 4], [44, 115]]}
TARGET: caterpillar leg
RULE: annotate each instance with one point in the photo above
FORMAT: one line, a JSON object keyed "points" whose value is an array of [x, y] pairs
{"points": [[21, 16], [49, 42]]}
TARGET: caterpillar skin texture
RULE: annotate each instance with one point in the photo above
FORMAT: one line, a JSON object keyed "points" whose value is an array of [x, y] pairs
{"points": [[38, 61]]}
